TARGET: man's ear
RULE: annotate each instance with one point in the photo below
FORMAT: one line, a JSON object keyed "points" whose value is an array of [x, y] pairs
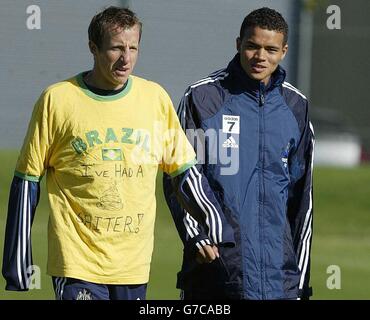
{"points": [[285, 50], [238, 44], [93, 48]]}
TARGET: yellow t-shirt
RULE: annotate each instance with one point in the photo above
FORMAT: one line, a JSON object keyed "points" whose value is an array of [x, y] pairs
{"points": [[101, 154]]}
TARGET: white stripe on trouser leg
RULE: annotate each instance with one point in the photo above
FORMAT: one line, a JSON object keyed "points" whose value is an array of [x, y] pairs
{"points": [[57, 285], [24, 233], [29, 260], [62, 288], [19, 240]]}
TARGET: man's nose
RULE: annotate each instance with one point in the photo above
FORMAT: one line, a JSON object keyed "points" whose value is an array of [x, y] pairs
{"points": [[260, 54], [125, 54]]}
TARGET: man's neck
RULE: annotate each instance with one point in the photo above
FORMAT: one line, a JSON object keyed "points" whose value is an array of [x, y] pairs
{"points": [[99, 91], [92, 79]]}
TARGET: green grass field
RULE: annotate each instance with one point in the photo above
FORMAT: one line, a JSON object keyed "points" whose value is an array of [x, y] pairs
{"points": [[341, 236]]}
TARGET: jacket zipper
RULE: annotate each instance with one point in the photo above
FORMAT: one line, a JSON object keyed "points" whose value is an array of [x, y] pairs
{"points": [[262, 99], [261, 184]]}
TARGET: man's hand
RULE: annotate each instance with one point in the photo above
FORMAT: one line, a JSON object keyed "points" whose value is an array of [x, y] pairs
{"points": [[207, 254]]}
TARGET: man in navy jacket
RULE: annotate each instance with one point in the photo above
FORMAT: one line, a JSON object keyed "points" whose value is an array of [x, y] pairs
{"points": [[254, 144]]}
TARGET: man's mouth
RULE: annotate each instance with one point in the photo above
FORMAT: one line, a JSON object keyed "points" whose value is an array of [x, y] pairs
{"points": [[258, 68], [121, 70]]}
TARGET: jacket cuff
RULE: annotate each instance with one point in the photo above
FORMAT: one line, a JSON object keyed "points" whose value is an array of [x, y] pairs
{"points": [[194, 244], [305, 293], [228, 239]]}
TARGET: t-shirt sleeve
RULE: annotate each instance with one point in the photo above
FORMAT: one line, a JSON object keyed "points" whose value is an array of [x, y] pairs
{"points": [[178, 154], [33, 158]]}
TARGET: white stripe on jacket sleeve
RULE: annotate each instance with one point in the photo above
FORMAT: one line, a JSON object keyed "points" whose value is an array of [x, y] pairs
{"points": [[306, 234], [191, 225], [213, 219]]}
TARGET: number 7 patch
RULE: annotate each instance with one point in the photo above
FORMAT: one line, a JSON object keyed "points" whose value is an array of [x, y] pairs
{"points": [[230, 124]]}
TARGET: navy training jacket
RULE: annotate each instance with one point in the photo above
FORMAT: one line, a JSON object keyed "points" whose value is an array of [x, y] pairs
{"points": [[254, 144]]}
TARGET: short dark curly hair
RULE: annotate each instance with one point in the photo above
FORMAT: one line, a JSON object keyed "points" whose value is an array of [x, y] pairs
{"points": [[265, 18], [111, 17]]}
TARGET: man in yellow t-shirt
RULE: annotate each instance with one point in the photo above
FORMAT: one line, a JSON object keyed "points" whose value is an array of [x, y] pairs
{"points": [[100, 138]]}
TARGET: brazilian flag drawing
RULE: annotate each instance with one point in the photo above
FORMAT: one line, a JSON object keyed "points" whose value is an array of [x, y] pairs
{"points": [[112, 154]]}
